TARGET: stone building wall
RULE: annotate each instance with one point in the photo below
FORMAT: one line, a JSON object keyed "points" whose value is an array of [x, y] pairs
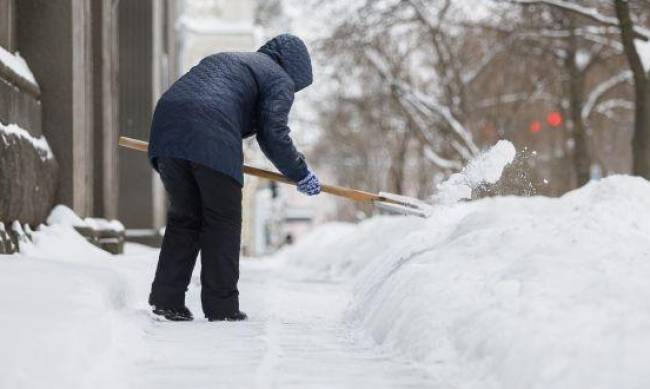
{"points": [[81, 104], [28, 169]]}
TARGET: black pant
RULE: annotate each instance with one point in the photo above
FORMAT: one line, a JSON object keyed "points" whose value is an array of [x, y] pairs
{"points": [[205, 214]]}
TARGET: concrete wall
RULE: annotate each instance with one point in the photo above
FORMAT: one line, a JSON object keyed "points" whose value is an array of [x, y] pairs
{"points": [[54, 38], [106, 107], [94, 86], [135, 79], [148, 65], [28, 177], [19, 105]]}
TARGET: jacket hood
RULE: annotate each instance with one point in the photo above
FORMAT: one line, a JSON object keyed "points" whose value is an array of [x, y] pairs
{"points": [[291, 53]]}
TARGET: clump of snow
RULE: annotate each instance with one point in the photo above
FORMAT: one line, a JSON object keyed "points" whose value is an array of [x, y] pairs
{"points": [[17, 228], [63, 215], [508, 292], [644, 52], [103, 224], [39, 143], [486, 168], [17, 64]]}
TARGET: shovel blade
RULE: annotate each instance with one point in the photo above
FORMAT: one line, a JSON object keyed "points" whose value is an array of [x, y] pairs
{"points": [[403, 205]]}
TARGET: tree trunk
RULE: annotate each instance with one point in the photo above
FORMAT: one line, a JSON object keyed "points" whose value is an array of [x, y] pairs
{"points": [[641, 138], [581, 157], [398, 165]]}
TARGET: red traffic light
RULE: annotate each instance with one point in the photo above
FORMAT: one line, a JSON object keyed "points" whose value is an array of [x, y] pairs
{"points": [[554, 119], [535, 127]]}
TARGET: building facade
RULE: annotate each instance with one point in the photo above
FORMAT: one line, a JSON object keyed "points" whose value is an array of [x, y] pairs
{"points": [[98, 68]]}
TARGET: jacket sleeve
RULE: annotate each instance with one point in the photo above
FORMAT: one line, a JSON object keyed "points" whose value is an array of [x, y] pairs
{"points": [[273, 134]]}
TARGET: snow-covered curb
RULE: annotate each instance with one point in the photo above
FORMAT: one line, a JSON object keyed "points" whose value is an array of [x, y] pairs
{"points": [[506, 292]]}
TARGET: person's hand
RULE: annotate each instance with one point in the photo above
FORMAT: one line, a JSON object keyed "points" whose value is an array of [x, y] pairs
{"points": [[309, 185]]}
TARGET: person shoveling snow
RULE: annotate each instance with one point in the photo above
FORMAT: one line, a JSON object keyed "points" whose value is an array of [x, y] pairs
{"points": [[196, 146]]}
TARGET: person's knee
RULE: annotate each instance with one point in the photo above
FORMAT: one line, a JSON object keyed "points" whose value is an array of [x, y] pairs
{"points": [[184, 218], [222, 218]]}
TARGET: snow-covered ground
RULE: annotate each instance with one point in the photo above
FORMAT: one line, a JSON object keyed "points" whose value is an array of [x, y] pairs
{"points": [[506, 292], [496, 293]]}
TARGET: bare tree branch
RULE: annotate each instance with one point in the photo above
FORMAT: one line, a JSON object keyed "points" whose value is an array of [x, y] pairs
{"points": [[588, 12], [601, 89]]}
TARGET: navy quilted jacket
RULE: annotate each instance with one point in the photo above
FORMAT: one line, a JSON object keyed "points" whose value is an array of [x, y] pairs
{"points": [[204, 116]]}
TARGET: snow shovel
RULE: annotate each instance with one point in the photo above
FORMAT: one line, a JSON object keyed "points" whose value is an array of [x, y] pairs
{"points": [[387, 201]]}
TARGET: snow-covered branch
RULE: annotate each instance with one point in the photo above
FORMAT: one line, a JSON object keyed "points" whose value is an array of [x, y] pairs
{"points": [[607, 107], [601, 89], [588, 12], [425, 105]]}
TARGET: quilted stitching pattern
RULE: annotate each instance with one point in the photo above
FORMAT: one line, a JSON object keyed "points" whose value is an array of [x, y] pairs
{"points": [[229, 96]]}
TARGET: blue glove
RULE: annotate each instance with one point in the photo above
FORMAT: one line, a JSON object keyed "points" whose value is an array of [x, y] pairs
{"points": [[309, 185]]}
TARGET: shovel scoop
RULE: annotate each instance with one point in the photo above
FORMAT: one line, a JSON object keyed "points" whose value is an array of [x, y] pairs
{"points": [[389, 202]]}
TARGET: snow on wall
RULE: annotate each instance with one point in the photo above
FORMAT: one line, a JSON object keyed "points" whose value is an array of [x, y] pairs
{"points": [[507, 292], [18, 65], [40, 143]]}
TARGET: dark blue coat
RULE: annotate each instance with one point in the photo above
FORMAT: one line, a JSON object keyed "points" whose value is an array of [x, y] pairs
{"points": [[204, 116]]}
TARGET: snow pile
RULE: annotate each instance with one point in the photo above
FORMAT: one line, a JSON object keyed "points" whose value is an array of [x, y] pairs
{"points": [[39, 143], [64, 315], [17, 65], [486, 168], [63, 215], [509, 292], [103, 224], [355, 245]]}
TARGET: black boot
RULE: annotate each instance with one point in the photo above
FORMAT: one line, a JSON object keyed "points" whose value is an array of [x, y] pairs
{"points": [[237, 316], [174, 314]]}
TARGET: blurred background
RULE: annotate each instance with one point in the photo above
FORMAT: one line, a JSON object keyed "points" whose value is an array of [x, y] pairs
{"points": [[405, 93]]}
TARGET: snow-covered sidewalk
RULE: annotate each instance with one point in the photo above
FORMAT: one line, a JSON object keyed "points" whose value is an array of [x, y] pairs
{"points": [[500, 293], [296, 338], [74, 317]]}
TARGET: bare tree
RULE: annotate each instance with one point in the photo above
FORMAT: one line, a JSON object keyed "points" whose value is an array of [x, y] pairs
{"points": [[631, 31]]}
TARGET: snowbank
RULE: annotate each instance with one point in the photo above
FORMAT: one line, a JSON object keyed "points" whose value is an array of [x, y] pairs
{"points": [[341, 250], [63, 309], [506, 292]]}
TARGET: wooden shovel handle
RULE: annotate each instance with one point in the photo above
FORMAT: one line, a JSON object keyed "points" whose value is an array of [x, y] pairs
{"points": [[352, 194]]}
